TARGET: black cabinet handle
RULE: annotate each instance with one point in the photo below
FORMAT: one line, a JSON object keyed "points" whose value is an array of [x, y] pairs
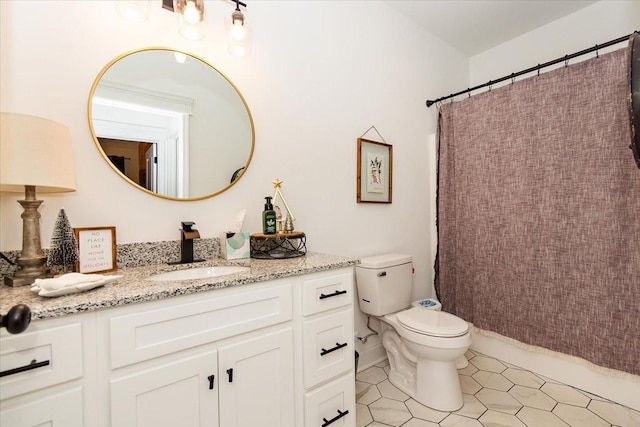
{"points": [[336, 418], [335, 294], [211, 380], [337, 347], [30, 366], [230, 373]]}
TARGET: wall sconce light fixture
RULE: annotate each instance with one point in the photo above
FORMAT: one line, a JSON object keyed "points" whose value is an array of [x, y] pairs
{"points": [[239, 31], [133, 10], [191, 18]]}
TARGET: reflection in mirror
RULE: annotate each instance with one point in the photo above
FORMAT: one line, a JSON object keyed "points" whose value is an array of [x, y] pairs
{"points": [[171, 124]]}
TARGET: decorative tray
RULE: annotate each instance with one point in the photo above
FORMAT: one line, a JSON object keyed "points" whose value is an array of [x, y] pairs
{"points": [[278, 246]]}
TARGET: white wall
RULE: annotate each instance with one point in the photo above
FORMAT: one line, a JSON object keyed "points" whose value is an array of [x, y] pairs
{"points": [[603, 21], [595, 24], [321, 73]]}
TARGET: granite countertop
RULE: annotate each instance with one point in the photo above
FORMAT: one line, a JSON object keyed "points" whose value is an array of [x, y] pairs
{"points": [[134, 287]]}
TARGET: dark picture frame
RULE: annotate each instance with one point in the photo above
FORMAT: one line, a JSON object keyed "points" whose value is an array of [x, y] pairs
{"points": [[374, 172]]}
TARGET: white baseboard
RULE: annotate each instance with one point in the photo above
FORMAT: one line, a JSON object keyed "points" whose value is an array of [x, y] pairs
{"points": [[370, 356]]}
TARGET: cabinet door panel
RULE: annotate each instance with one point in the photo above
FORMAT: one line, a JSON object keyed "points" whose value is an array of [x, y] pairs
{"points": [[259, 390], [170, 395], [61, 409]]}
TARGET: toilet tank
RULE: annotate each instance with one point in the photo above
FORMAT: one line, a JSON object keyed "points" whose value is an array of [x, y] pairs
{"points": [[384, 283]]}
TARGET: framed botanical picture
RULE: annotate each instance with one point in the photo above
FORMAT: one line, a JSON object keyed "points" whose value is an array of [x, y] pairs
{"points": [[374, 170], [96, 249]]}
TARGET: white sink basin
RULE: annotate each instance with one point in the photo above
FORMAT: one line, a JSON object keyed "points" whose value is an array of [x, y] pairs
{"points": [[197, 273]]}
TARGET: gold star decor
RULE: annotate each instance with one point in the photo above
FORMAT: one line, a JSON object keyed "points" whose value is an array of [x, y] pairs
{"points": [[277, 184]]}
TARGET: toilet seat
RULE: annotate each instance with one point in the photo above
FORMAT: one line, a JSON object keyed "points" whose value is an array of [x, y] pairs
{"points": [[432, 323]]}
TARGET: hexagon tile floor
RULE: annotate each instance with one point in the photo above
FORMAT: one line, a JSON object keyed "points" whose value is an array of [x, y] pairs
{"points": [[496, 394]]}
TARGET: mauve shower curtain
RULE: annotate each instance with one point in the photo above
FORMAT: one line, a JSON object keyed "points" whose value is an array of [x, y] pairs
{"points": [[539, 213]]}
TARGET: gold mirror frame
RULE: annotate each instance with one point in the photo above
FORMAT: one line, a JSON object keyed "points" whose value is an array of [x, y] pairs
{"points": [[236, 175]]}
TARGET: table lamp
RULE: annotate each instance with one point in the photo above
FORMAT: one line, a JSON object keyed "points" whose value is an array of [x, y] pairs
{"points": [[34, 152]]}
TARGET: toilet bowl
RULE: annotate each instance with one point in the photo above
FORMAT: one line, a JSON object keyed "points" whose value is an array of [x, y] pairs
{"points": [[423, 344], [430, 345], [431, 304]]}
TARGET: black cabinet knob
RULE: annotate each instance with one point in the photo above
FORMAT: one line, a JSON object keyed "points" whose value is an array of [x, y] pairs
{"points": [[17, 319]]}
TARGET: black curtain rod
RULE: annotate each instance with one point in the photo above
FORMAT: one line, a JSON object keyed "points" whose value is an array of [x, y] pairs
{"points": [[537, 67]]}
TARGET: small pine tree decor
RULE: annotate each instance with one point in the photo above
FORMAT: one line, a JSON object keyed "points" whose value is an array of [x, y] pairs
{"points": [[63, 250]]}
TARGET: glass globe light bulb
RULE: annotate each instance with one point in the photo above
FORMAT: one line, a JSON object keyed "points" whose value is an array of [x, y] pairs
{"points": [[191, 14], [237, 31], [133, 10]]}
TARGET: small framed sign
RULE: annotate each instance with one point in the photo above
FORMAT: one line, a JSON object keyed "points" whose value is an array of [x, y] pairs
{"points": [[96, 249]]}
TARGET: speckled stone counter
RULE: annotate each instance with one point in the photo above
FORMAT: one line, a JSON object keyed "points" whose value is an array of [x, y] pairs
{"points": [[134, 286]]}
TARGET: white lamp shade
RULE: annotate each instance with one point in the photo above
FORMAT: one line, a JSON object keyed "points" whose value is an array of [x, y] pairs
{"points": [[35, 151]]}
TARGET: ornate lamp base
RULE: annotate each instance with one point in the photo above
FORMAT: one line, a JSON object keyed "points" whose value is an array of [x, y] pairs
{"points": [[29, 269], [32, 263]]}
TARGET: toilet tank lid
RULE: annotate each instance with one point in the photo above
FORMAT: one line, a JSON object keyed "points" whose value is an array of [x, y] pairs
{"points": [[384, 261]]}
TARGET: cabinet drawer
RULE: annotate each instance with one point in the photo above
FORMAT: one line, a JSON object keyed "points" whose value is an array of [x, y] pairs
{"points": [[332, 404], [327, 292], [141, 336], [61, 409], [49, 356], [328, 347]]}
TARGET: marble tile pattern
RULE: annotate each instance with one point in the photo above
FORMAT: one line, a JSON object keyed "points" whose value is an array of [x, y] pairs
{"points": [[496, 394], [134, 287]]}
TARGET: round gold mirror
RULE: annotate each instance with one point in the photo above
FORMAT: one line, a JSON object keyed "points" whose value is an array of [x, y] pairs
{"points": [[171, 124]]}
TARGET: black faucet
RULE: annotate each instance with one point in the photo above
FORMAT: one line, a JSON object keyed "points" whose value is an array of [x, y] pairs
{"points": [[187, 235]]}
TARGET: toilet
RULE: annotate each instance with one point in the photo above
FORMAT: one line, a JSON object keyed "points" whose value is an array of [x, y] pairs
{"points": [[425, 346]]}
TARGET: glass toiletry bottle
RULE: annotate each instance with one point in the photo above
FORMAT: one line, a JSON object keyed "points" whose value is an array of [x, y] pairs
{"points": [[268, 218]]}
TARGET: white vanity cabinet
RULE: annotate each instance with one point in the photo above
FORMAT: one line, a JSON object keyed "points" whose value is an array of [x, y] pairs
{"points": [[277, 353], [222, 358], [245, 384]]}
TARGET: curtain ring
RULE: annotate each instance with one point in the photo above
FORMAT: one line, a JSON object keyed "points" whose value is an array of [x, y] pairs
{"points": [[513, 78], [566, 60], [597, 53], [468, 93], [538, 70]]}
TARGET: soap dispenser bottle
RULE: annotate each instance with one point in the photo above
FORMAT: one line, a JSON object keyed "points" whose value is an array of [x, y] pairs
{"points": [[268, 217]]}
